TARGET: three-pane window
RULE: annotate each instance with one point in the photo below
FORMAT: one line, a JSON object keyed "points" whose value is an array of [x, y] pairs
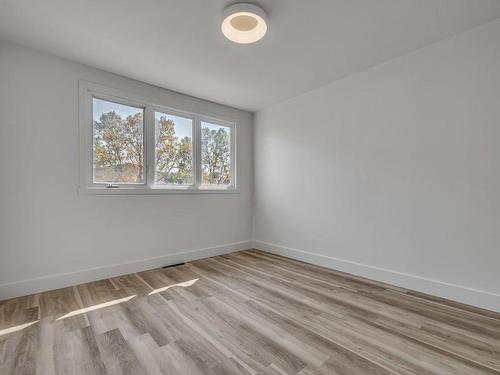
{"points": [[136, 146]]}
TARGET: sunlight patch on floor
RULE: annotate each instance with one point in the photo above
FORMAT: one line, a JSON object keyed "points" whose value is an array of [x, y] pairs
{"points": [[96, 307], [183, 285], [17, 328]]}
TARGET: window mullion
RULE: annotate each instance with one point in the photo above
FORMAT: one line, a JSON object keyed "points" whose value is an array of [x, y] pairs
{"points": [[233, 156]]}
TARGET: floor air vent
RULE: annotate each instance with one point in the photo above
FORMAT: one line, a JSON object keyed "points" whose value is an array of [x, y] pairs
{"points": [[174, 265]]}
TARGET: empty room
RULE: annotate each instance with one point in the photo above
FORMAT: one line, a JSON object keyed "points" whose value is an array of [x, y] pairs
{"points": [[278, 187]]}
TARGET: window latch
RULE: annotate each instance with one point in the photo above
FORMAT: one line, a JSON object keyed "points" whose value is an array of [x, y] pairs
{"points": [[112, 186]]}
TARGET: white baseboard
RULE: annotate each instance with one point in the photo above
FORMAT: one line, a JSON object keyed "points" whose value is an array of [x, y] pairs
{"points": [[45, 283], [470, 296]]}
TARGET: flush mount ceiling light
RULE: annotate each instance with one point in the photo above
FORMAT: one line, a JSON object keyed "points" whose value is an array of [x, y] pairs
{"points": [[244, 23]]}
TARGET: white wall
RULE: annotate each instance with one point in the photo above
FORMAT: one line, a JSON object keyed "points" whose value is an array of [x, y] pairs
{"points": [[47, 229], [393, 173]]}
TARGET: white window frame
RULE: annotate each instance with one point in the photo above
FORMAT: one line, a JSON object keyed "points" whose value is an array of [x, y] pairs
{"points": [[88, 91]]}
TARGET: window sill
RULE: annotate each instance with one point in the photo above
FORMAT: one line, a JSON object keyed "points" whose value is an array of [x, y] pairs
{"points": [[154, 191]]}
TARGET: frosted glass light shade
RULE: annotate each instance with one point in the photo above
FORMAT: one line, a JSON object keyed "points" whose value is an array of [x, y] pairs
{"points": [[244, 23]]}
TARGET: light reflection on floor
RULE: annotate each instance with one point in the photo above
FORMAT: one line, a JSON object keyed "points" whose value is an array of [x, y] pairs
{"points": [[183, 285], [96, 307], [17, 328]]}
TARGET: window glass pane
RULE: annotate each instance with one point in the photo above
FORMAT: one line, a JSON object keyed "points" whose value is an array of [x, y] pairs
{"points": [[215, 154], [173, 150], [118, 143]]}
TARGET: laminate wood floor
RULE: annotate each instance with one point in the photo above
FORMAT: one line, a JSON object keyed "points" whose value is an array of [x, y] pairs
{"points": [[244, 313]]}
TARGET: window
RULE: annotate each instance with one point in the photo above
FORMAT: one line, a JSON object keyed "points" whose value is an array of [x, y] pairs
{"points": [[215, 154], [132, 146], [173, 150], [118, 135]]}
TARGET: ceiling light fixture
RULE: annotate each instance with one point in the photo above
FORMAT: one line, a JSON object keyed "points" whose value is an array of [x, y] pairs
{"points": [[244, 23]]}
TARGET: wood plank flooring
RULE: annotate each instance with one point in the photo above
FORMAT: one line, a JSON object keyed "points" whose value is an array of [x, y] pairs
{"points": [[245, 313]]}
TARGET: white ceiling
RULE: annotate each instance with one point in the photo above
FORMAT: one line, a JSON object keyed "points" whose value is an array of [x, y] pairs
{"points": [[178, 44]]}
